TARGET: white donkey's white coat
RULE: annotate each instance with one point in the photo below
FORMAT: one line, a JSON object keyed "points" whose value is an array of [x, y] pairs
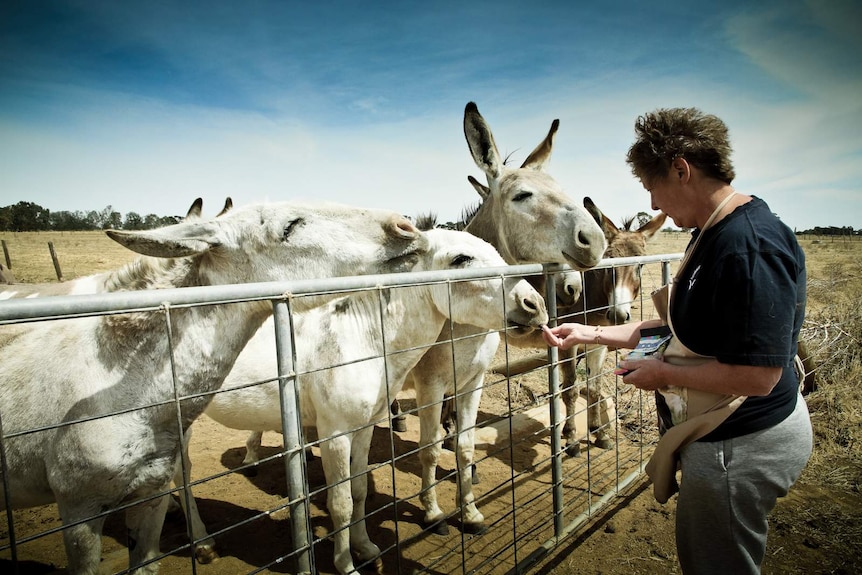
{"points": [[57, 375], [345, 401], [528, 218]]}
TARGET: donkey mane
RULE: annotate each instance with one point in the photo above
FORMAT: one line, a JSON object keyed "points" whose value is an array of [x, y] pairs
{"points": [[429, 221], [426, 222], [152, 273], [468, 213]]}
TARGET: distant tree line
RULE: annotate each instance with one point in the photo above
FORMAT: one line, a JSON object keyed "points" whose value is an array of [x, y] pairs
{"points": [[832, 231], [30, 217]]}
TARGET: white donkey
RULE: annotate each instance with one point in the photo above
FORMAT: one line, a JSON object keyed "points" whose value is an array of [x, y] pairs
{"points": [[527, 217], [345, 384], [86, 403]]}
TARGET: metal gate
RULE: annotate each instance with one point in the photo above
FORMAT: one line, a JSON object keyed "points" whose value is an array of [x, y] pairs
{"points": [[533, 495]]}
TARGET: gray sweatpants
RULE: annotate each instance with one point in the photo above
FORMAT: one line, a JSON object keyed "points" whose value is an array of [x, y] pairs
{"points": [[729, 487]]}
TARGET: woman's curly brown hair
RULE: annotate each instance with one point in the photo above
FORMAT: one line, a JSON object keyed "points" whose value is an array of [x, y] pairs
{"points": [[670, 133]]}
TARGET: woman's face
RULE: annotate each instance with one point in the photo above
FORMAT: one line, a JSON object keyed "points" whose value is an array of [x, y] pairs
{"points": [[669, 195]]}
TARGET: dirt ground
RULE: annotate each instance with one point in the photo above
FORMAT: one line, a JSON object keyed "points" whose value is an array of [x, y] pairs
{"points": [[636, 536]]}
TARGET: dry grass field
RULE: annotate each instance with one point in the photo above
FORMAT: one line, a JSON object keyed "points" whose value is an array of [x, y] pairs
{"points": [[816, 529]]}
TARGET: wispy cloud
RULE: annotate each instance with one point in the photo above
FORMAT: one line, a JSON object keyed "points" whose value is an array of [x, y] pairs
{"points": [[145, 107]]}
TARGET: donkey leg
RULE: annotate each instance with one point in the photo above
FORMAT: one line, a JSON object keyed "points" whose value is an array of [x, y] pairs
{"points": [[569, 393], [365, 549], [429, 402], [252, 453], [205, 548], [144, 522], [468, 409], [399, 420], [83, 541], [447, 420], [335, 453], [598, 405]]}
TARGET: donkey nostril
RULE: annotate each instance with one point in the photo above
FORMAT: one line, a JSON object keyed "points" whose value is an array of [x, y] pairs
{"points": [[535, 305], [403, 227]]}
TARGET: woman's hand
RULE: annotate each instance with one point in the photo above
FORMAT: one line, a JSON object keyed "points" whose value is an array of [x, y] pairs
{"points": [[645, 374], [567, 335]]}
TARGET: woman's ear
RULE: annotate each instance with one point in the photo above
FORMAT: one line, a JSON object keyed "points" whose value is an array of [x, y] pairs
{"points": [[681, 170]]}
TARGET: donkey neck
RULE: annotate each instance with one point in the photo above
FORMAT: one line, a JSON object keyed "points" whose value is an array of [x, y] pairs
{"points": [[482, 226], [411, 321], [206, 341]]}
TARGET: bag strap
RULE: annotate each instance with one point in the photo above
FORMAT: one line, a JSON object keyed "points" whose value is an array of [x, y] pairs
{"points": [[690, 251]]}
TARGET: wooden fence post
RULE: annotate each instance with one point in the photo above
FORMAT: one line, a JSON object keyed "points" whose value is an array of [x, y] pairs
{"points": [[56, 261], [6, 253]]}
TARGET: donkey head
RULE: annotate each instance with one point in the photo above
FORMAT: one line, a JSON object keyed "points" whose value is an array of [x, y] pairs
{"points": [[524, 212], [621, 285], [280, 241], [494, 303]]}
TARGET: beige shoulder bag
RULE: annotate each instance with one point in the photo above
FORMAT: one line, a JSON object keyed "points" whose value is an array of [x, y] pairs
{"points": [[695, 413]]}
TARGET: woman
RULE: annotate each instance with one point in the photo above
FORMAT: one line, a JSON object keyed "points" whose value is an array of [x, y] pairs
{"points": [[737, 303]]}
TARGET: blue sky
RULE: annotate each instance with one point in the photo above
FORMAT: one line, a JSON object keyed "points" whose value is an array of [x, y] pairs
{"points": [[145, 106]]}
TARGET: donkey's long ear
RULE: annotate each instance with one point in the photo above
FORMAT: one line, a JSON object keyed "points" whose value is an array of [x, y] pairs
{"points": [[483, 190], [195, 209], [539, 157], [186, 238], [481, 143], [608, 227], [651, 227], [228, 206]]}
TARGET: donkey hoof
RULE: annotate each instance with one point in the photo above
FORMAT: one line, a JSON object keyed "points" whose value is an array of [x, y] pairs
{"points": [[399, 424], [205, 554], [604, 443], [449, 443], [474, 528], [439, 527], [474, 476], [573, 449]]}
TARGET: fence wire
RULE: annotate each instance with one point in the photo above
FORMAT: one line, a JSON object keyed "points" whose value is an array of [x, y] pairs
{"points": [[271, 515]]}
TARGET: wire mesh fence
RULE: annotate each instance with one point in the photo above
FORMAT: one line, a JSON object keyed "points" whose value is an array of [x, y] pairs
{"points": [[272, 513]]}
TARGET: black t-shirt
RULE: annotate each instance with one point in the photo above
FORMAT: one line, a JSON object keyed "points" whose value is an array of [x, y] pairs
{"points": [[741, 298]]}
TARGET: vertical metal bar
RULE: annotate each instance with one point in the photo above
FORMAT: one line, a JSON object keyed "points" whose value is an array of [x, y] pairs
{"points": [[187, 490], [554, 390], [291, 424], [456, 443], [7, 495], [665, 273], [381, 314]]}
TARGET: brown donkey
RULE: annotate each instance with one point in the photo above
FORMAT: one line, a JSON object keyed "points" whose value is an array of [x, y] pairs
{"points": [[606, 299]]}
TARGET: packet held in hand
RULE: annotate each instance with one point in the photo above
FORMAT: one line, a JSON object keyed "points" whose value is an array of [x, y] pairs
{"points": [[652, 343]]}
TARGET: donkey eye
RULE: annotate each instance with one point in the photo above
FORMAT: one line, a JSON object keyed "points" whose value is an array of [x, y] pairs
{"points": [[521, 196], [289, 228], [461, 260]]}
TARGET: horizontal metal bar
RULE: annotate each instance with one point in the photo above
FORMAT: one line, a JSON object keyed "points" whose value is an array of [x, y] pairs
{"points": [[52, 307]]}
